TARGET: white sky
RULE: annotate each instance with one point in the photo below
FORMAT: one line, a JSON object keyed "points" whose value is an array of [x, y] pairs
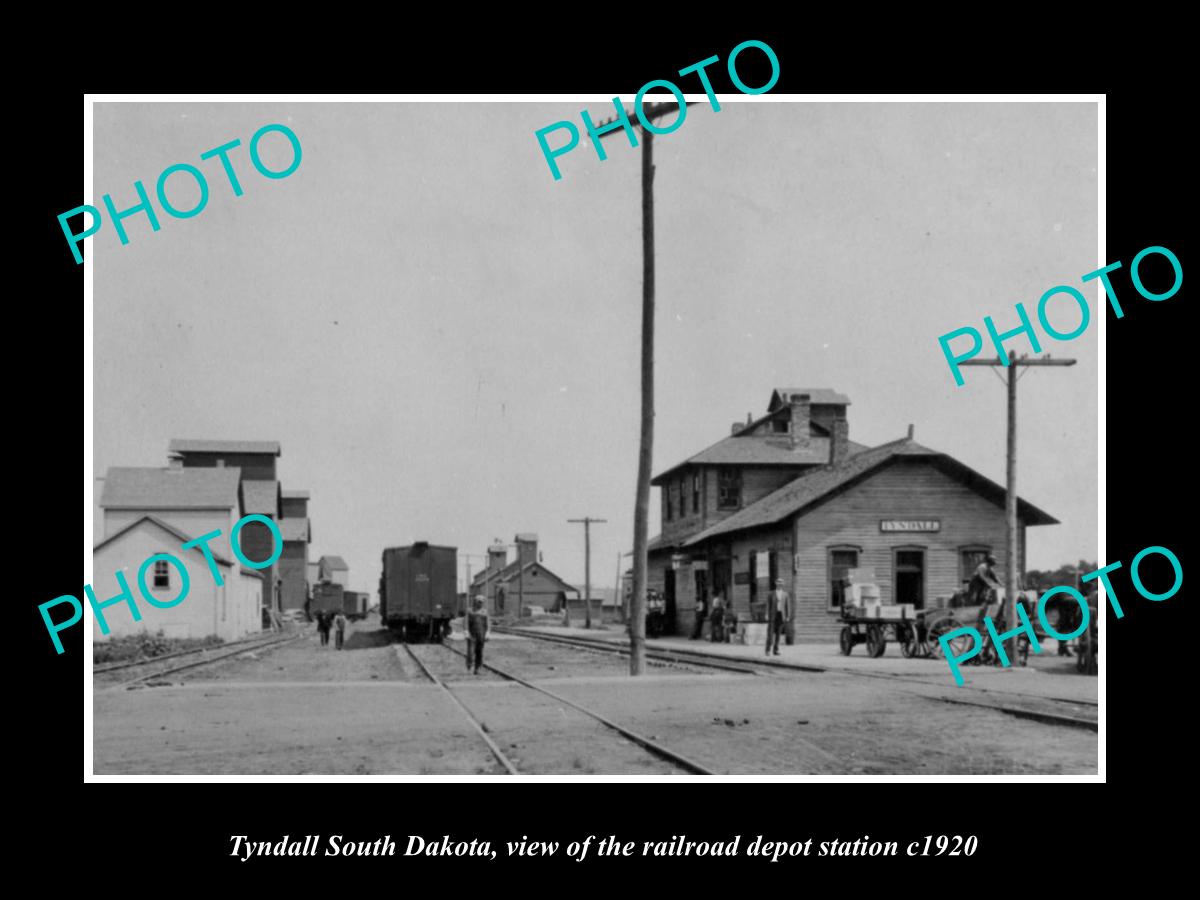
{"points": [[445, 340]]}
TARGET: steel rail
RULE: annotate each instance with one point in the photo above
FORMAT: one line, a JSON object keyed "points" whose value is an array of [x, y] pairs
{"points": [[657, 749], [475, 723], [202, 662], [1018, 711]]}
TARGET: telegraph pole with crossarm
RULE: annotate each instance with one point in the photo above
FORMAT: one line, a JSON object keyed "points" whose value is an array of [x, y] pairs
{"points": [[1010, 496], [637, 623]]}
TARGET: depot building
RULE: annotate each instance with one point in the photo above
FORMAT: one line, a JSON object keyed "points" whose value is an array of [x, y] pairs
{"points": [[790, 496]]}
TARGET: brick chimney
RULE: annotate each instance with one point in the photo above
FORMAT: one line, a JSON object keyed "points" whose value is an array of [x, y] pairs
{"points": [[839, 441], [497, 557], [526, 547], [801, 417]]}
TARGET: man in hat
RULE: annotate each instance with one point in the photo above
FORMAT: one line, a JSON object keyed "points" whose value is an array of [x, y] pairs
{"points": [[779, 611], [982, 581], [478, 628]]}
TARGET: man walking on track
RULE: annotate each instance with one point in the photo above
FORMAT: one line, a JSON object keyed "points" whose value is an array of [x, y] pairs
{"points": [[339, 622], [478, 628], [779, 611]]}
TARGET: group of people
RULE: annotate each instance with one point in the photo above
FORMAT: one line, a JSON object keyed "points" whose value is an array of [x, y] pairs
{"points": [[723, 620], [328, 620]]}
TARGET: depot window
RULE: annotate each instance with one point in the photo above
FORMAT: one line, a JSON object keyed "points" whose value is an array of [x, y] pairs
{"points": [[729, 488], [695, 492], [841, 560], [971, 557], [162, 575]]}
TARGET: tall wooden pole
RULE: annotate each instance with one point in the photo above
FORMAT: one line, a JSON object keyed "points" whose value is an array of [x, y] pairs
{"points": [[1010, 510], [617, 597], [637, 612], [1013, 364], [637, 625]]}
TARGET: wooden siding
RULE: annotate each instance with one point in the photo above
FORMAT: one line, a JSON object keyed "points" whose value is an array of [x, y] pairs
{"points": [[293, 571], [906, 489], [294, 508], [229, 611], [757, 482], [254, 466]]}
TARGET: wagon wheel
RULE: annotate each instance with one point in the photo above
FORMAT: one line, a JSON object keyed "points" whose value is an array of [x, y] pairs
{"points": [[960, 644], [876, 641], [1023, 651], [910, 644], [846, 640]]}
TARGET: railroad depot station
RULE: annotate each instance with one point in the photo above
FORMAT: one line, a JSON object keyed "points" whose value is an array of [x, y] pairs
{"points": [[789, 495]]}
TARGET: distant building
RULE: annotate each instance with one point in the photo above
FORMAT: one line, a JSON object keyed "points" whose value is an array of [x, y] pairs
{"points": [[260, 490], [293, 563], [789, 496], [333, 569], [525, 580], [148, 511]]}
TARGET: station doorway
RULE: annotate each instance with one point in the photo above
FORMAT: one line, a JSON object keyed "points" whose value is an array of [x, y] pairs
{"points": [[909, 576]]}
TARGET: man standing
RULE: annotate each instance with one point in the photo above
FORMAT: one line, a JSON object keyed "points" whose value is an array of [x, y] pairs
{"points": [[701, 612], [339, 622], [478, 627], [717, 619], [323, 627], [779, 610]]}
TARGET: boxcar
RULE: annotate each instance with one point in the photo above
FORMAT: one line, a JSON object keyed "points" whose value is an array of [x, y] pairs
{"points": [[418, 590], [354, 604], [327, 597]]}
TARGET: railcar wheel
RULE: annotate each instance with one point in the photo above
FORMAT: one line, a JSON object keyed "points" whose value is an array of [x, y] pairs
{"points": [[876, 642], [846, 640]]}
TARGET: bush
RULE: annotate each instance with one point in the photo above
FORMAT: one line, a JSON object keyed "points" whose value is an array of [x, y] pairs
{"points": [[147, 646]]}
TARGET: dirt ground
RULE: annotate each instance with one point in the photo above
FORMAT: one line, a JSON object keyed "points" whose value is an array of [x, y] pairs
{"points": [[302, 708]]}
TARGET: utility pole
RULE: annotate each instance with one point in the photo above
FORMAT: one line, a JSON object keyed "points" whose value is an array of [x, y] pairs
{"points": [[587, 522], [1010, 494], [637, 625]]}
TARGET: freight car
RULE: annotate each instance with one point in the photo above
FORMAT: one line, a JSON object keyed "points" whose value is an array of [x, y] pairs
{"points": [[418, 591], [327, 596], [354, 604]]}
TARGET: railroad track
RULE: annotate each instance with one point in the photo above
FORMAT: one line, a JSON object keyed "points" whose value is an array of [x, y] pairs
{"points": [[655, 656], [230, 650], [112, 667], [653, 747], [939, 693]]}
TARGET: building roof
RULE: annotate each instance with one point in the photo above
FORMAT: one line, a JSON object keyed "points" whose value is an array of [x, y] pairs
{"points": [[510, 572], [261, 496], [334, 562], [295, 495], [295, 529], [816, 486], [526, 536], [171, 488], [182, 536], [186, 445], [781, 397], [762, 450]]}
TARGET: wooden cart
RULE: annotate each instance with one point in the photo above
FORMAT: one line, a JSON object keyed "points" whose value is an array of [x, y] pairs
{"points": [[872, 630]]}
